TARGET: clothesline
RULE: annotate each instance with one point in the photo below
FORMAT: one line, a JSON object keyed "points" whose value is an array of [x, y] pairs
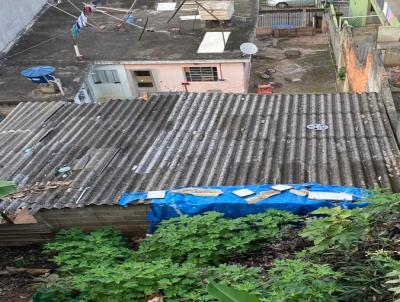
{"points": [[65, 12]]}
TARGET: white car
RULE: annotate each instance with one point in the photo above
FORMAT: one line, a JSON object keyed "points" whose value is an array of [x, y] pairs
{"points": [[289, 3]]}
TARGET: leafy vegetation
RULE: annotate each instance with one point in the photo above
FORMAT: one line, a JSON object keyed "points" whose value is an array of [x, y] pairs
{"points": [[300, 281], [177, 260], [339, 229], [342, 73], [229, 294], [349, 255], [7, 187], [211, 238]]}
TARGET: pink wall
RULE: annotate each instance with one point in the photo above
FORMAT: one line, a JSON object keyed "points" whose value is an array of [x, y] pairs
{"points": [[169, 77]]}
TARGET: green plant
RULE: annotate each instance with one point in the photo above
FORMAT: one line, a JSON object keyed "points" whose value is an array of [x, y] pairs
{"points": [[23, 261], [209, 238], [55, 289], [134, 281], [229, 294], [301, 281], [363, 279], [103, 268], [386, 258], [342, 73], [76, 251], [7, 187], [340, 229]]}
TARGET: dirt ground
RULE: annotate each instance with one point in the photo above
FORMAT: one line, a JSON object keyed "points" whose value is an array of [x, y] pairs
{"points": [[20, 287], [313, 71]]}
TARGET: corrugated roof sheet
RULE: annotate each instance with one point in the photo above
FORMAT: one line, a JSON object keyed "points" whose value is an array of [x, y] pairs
{"points": [[195, 139]]}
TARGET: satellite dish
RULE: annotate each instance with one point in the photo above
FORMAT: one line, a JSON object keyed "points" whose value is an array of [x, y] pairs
{"points": [[248, 48]]}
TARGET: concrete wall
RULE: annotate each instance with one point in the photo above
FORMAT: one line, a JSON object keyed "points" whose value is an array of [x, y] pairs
{"points": [[168, 77], [15, 15], [131, 220], [105, 91], [6, 109], [335, 38], [364, 68], [359, 8], [389, 35]]}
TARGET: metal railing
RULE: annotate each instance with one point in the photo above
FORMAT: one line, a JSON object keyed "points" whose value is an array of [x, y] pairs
{"points": [[358, 21]]}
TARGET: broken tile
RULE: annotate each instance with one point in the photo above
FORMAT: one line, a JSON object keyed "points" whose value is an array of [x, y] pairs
{"points": [[155, 194], [243, 192], [262, 196], [281, 187]]}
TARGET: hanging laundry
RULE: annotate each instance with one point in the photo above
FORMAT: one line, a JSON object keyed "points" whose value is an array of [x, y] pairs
{"points": [[75, 30], [87, 9], [82, 20]]}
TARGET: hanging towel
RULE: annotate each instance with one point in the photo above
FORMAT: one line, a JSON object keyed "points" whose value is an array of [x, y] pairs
{"points": [[75, 30], [87, 9], [82, 20]]}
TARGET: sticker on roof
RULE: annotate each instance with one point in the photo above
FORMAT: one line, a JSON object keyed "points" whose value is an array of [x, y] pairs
{"points": [[213, 42], [166, 6]]}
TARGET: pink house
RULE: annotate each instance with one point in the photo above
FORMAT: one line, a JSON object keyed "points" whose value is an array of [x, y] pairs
{"points": [[187, 56]]}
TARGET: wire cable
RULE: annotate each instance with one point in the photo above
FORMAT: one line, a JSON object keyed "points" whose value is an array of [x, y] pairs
{"points": [[65, 12], [32, 47]]}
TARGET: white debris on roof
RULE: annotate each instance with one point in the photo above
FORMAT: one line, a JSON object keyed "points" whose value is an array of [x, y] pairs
{"points": [[330, 196], [190, 17], [166, 6], [243, 192], [213, 42], [155, 194]]}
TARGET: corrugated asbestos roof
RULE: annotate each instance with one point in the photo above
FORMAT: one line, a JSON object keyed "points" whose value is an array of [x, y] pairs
{"points": [[195, 139]]}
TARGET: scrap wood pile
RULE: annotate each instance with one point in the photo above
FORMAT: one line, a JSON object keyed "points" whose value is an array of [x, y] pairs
{"points": [[36, 189]]}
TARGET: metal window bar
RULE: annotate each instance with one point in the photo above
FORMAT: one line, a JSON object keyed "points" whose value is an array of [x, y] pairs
{"points": [[201, 74]]}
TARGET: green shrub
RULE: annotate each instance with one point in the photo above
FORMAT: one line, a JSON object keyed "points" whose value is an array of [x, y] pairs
{"points": [[209, 238], [301, 281], [76, 251], [342, 73], [55, 289], [133, 281], [363, 280], [341, 229]]}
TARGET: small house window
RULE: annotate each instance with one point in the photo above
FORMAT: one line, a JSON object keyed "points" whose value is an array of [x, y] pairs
{"points": [[201, 74], [143, 78], [105, 76]]}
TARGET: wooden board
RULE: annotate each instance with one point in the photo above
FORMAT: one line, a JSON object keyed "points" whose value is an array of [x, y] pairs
{"points": [[262, 196]]}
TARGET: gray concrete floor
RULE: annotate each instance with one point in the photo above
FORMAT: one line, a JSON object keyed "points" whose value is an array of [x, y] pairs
{"points": [[311, 72]]}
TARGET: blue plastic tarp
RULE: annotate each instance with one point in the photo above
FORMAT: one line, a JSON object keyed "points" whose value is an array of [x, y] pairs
{"points": [[176, 204]]}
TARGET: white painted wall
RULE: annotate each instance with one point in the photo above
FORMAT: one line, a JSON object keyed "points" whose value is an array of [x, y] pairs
{"points": [[15, 16]]}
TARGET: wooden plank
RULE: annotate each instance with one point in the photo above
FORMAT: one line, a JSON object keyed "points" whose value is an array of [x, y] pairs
{"points": [[262, 196], [24, 234]]}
